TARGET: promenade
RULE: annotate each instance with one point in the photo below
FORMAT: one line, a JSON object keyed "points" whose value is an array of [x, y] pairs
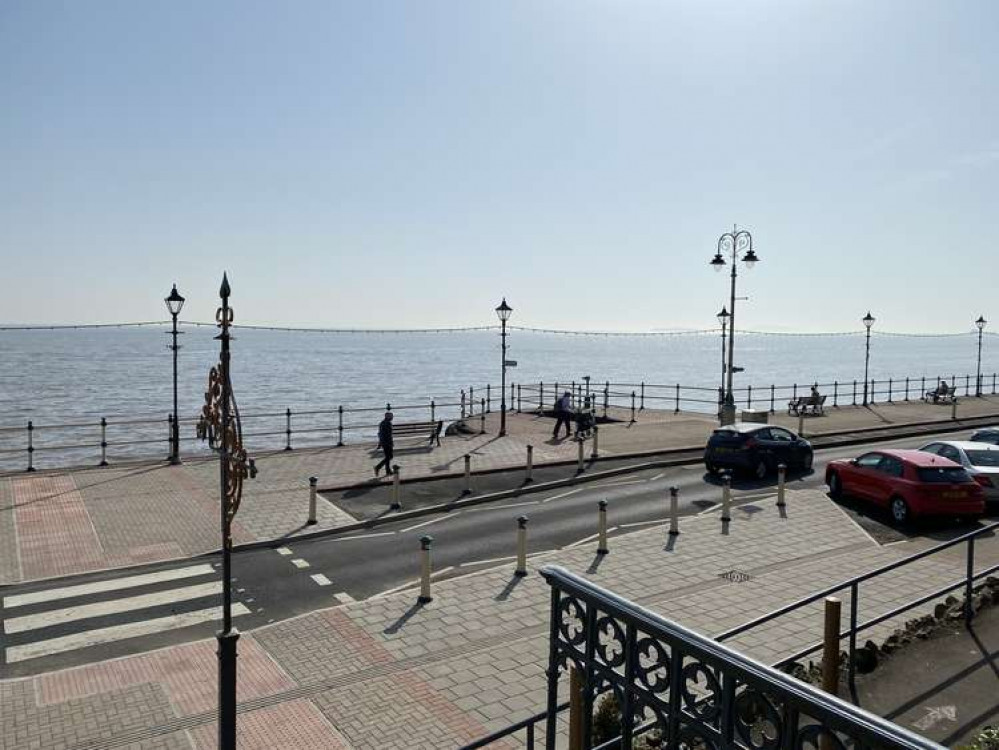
{"points": [[57, 523]]}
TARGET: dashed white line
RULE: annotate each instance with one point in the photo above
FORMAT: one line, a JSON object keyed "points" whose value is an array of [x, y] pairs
{"points": [[564, 494], [300, 563], [322, 580], [658, 476], [344, 597], [283, 551]]}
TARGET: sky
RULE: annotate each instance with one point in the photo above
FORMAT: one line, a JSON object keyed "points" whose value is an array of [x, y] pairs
{"points": [[408, 164]]}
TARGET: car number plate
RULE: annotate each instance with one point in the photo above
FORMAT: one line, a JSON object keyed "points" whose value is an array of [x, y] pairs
{"points": [[955, 495]]}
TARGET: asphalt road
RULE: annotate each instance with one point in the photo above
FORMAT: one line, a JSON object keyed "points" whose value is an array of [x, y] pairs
{"points": [[106, 620]]}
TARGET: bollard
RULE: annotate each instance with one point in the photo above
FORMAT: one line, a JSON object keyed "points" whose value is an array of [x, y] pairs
{"points": [[602, 528], [781, 474], [482, 418], [674, 511], [104, 440], [339, 427], [594, 454], [830, 646], [521, 570], [425, 596], [396, 504], [579, 458], [287, 429], [31, 446], [801, 421], [727, 498], [313, 481], [468, 475], [529, 467], [953, 408]]}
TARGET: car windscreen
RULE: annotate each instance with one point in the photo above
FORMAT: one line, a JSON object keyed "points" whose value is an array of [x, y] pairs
{"points": [[726, 436], [983, 458], [943, 475]]}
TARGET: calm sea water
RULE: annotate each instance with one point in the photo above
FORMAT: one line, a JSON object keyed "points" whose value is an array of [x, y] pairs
{"points": [[78, 376]]}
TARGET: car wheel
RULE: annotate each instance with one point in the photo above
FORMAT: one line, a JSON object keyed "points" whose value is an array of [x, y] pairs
{"points": [[835, 486], [899, 510], [806, 462], [712, 469], [760, 470]]}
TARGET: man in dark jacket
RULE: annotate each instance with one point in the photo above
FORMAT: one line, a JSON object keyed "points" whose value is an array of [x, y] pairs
{"points": [[385, 443], [563, 413]]}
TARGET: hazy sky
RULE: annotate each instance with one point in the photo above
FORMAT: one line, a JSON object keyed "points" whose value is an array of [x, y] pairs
{"points": [[408, 163]]}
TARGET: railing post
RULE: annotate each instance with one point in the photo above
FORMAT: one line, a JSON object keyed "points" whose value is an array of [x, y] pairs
{"points": [[772, 395], [906, 387], [781, 477], [339, 426], [425, 596], [396, 481], [641, 406], [953, 408], [31, 446], [462, 403], [572, 390], [287, 429], [726, 515], [993, 384], [529, 466], [676, 407], [519, 403], [889, 390], [482, 418], [632, 407], [521, 570], [433, 410], [313, 481], [104, 441], [794, 392], [873, 381], [607, 394], [170, 438], [967, 385], [854, 392], [969, 609], [580, 467], [468, 475], [594, 454], [541, 396], [602, 528], [835, 393], [830, 646], [749, 396], [674, 511], [801, 422], [851, 666], [576, 709], [471, 401], [489, 398]]}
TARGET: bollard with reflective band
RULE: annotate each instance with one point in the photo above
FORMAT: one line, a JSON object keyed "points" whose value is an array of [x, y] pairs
{"points": [[674, 511], [529, 467], [521, 547], [313, 481], [425, 596], [727, 498], [579, 458], [781, 479], [594, 454], [468, 475], [602, 528], [396, 481]]}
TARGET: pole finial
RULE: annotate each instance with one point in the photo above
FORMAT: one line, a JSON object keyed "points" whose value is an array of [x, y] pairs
{"points": [[224, 290]]}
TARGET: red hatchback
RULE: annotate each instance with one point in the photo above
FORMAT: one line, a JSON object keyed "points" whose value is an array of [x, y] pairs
{"points": [[909, 483]]}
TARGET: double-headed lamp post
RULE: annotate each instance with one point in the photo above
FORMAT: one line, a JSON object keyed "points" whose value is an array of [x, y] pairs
{"points": [[174, 303], [723, 317], [503, 312], [868, 321], [978, 378], [733, 242]]}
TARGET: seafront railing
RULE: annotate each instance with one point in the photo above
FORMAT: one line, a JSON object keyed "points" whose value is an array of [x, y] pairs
{"points": [[121, 438]]}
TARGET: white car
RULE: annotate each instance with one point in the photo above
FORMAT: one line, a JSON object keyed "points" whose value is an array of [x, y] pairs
{"points": [[980, 460]]}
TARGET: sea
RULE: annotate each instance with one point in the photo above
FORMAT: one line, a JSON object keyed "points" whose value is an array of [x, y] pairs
{"points": [[77, 376]]}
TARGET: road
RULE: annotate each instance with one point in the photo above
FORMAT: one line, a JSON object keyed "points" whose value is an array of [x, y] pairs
{"points": [[54, 624]]}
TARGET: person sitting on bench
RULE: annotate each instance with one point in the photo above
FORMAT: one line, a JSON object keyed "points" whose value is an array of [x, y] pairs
{"points": [[816, 396], [942, 391]]}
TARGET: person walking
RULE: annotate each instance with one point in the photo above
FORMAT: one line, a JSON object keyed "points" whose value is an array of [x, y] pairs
{"points": [[385, 443], [563, 414]]}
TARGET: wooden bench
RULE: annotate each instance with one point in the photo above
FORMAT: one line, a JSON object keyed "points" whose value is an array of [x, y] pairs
{"points": [[943, 398], [806, 405], [429, 431]]}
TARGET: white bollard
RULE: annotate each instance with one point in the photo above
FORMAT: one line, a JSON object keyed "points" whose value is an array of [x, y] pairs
{"points": [[425, 596], [396, 481], [529, 468], [674, 511], [781, 476], [468, 475], [521, 547], [594, 454], [579, 457], [602, 528], [727, 499], [313, 481]]}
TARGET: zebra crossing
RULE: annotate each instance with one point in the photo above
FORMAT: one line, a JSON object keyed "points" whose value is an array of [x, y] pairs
{"points": [[110, 613]]}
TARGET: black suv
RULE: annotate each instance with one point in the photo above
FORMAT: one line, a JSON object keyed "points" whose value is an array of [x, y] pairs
{"points": [[756, 448], [986, 435]]}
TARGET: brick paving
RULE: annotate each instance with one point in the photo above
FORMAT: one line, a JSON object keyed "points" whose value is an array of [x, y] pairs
{"points": [[387, 672]]}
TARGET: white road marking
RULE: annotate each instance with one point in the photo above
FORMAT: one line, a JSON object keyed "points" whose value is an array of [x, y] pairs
{"points": [[494, 560], [298, 562], [321, 579], [620, 484], [99, 609], [409, 584], [658, 476], [588, 539], [116, 633], [710, 509], [283, 551], [47, 595], [564, 494], [427, 523], [501, 507], [642, 523], [363, 536], [345, 597]]}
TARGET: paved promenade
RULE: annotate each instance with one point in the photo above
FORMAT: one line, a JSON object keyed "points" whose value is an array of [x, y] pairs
{"points": [[387, 673], [56, 523]]}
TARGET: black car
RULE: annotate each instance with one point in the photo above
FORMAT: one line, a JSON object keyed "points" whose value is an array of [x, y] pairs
{"points": [[986, 435], [756, 448]]}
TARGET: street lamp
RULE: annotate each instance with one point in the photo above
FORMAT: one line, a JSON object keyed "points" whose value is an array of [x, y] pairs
{"points": [[733, 242], [174, 303], [868, 322], [219, 424], [723, 317], [978, 378], [503, 313]]}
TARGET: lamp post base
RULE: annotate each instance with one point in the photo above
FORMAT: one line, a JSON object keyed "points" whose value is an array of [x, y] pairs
{"points": [[727, 414], [227, 688]]}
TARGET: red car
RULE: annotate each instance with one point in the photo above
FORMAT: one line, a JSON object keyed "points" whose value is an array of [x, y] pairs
{"points": [[908, 483]]}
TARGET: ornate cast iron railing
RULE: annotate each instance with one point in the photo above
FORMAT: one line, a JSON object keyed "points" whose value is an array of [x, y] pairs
{"points": [[689, 690]]}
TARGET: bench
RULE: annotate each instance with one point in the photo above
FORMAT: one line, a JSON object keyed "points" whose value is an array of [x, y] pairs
{"points": [[429, 431], [941, 398], [806, 405]]}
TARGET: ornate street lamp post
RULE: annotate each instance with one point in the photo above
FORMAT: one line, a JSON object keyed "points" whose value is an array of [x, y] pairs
{"points": [[220, 426], [978, 378], [503, 313], [723, 317], [174, 303], [868, 322], [732, 242]]}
